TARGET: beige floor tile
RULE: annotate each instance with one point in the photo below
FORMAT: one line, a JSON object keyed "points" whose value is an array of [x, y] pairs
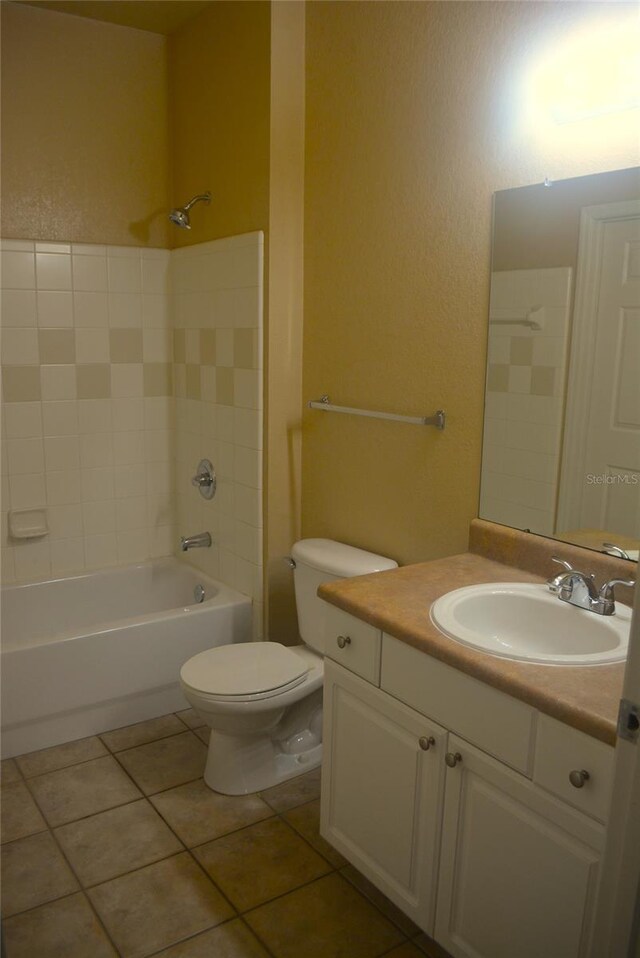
{"points": [[203, 733], [427, 946], [166, 763], [9, 772], [20, 815], [329, 917], [381, 901], [297, 791], [198, 815], [33, 872], [231, 940], [260, 862], [60, 756], [82, 790], [405, 951], [158, 906], [132, 735], [117, 841], [306, 820], [190, 718], [67, 928]]}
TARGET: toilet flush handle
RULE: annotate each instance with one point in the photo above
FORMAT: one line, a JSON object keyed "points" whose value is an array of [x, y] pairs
{"points": [[343, 640]]}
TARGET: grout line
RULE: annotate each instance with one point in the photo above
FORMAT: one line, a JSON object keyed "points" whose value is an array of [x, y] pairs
{"points": [[128, 748]]}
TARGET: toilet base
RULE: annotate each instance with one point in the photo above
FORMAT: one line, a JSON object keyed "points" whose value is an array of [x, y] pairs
{"points": [[239, 764]]}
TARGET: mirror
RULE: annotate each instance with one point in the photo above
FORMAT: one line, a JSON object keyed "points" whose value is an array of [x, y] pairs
{"points": [[561, 449]]}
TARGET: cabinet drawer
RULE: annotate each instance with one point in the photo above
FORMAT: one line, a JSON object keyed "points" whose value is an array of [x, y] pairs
{"points": [[353, 643], [495, 722], [561, 750]]}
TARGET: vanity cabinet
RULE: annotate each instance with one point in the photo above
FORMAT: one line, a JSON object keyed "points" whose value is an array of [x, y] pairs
{"points": [[518, 868], [439, 789], [382, 790]]}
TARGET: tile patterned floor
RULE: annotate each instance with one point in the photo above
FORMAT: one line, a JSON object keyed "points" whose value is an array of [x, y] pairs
{"points": [[114, 846]]}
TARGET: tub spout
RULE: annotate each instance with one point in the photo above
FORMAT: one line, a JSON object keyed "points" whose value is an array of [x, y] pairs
{"points": [[200, 541]]}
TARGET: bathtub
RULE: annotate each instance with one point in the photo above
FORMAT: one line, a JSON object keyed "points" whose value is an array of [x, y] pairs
{"points": [[88, 653]]}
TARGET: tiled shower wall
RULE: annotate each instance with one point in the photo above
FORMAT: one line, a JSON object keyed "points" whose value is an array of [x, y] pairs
{"points": [[217, 314], [524, 404], [87, 411]]}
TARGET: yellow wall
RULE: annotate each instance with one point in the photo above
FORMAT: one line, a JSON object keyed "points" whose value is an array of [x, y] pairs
{"points": [[413, 119], [219, 107], [283, 339], [84, 130]]}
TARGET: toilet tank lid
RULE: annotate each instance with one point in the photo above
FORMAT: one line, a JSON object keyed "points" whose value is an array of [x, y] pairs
{"points": [[339, 559]]}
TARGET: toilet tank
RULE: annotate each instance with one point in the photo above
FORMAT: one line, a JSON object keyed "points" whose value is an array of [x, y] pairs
{"points": [[323, 560]]}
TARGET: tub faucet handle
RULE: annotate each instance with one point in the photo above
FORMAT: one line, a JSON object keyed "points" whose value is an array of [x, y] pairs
{"points": [[205, 479]]}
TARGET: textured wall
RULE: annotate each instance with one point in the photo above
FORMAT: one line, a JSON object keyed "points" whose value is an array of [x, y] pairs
{"points": [[219, 105], [84, 128], [414, 117]]}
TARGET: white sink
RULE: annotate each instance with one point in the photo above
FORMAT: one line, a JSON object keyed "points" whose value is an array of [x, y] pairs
{"points": [[526, 622]]}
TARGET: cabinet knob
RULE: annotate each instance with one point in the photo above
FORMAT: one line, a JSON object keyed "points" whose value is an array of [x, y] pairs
{"points": [[578, 777], [452, 759], [343, 640], [425, 742]]}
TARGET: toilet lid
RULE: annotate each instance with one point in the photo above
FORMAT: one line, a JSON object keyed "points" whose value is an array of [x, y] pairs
{"points": [[245, 668]]}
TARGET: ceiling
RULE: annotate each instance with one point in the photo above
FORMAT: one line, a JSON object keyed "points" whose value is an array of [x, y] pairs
{"points": [[158, 16]]}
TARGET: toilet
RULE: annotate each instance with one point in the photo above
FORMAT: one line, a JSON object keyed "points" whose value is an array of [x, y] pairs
{"points": [[263, 700]]}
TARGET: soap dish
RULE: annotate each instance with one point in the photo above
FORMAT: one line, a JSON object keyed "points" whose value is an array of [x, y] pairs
{"points": [[28, 523]]}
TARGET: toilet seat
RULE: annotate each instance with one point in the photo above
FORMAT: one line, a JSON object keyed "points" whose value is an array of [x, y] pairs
{"points": [[244, 672]]}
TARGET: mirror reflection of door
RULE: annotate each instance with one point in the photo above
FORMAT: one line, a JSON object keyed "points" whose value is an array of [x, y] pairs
{"points": [[600, 484]]}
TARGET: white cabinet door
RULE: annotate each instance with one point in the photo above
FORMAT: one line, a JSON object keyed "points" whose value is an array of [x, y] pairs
{"points": [[382, 785], [518, 868]]}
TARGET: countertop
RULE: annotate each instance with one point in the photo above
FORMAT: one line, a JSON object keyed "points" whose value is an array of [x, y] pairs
{"points": [[398, 602]]}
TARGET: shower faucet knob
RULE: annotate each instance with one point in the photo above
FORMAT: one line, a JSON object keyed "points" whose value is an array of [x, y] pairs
{"points": [[205, 479]]}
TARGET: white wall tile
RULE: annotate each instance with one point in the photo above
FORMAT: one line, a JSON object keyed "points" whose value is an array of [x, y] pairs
{"points": [[97, 484], [96, 450], [126, 380], [94, 415], [19, 346], [58, 382], [124, 275], [63, 488], [53, 271], [61, 452], [100, 550], [32, 558], [19, 307], [60, 418], [17, 270], [65, 522], [27, 491], [55, 308], [67, 555], [128, 414], [25, 456], [99, 518], [90, 274], [125, 310], [23, 420], [91, 309], [92, 345]]}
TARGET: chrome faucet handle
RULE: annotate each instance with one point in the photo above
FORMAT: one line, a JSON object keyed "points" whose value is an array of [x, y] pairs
{"points": [[555, 583], [606, 596], [610, 548]]}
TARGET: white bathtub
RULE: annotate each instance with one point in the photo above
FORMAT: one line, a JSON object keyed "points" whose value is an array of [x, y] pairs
{"points": [[88, 653]]}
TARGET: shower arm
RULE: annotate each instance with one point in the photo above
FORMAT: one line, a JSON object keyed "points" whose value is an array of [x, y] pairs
{"points": [[202, 197]]}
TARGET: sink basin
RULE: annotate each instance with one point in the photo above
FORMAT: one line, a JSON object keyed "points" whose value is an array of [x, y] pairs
{"points": [[526, 622]]}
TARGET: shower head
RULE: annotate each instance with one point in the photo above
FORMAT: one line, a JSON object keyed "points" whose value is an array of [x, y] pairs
{"points": [[180, 216]]}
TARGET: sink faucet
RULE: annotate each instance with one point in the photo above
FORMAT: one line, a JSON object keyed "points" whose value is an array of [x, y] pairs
{"points": [[200, 541], [579, 589]]}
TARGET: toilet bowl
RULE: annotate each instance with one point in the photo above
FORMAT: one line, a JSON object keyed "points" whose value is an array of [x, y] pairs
{"points": [[263, 700]]}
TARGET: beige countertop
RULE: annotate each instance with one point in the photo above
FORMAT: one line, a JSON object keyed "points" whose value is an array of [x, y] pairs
{"points": [[398, 602]]}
